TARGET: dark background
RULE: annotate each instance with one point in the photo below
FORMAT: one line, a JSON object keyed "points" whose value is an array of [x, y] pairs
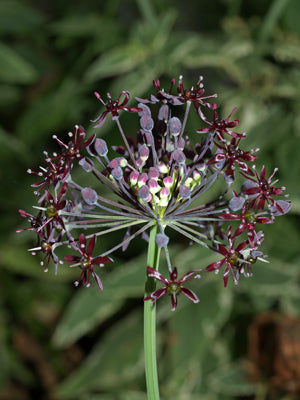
{"points": [[60, 342]]}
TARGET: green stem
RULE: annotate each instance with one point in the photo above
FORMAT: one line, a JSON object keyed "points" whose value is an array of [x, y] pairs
{"points": [[150, 322]]}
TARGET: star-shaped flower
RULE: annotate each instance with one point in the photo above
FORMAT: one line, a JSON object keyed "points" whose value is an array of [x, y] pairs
{"points": [[113, 107], [86, 261], [232, 258], [220, 126], [172, 286]]}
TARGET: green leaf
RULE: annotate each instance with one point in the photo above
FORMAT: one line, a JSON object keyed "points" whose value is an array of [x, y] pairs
{"points": [[116, 359], [15, 68], [123, 282]]}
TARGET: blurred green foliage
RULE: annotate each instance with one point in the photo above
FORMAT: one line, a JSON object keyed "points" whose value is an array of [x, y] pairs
{"points": [[60, 343]]}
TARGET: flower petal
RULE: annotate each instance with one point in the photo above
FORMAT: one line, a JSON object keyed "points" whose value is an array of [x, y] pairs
{"points": [[153, 273], [190, 295], [215, 265], [91, 246]]}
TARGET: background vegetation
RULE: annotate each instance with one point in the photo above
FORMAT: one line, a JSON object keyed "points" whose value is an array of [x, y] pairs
{"points": [[59, 342]]}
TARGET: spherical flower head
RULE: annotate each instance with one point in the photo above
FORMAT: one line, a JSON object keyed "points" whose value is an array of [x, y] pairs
{"points": [[156, 181]]}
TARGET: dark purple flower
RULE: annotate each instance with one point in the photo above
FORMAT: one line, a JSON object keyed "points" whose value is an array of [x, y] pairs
{"points": [[220, 126], [261, 190], [232, 257], [53, 205], [114, 106], [194, 95], [36, 222], [46, 244], [249, 218], [86, 261], [172, 286], [161, 95], [231, 154], [72, 150], [51, 175]]}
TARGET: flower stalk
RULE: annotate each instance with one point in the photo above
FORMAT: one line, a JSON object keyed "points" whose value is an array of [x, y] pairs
{"points": [[150, 321]]}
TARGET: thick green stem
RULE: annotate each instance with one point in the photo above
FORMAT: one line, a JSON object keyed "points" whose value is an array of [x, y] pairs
{"points": [[150, 322]]}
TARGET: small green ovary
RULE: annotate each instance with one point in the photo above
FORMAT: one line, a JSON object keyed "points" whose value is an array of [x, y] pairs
{"points": [[233, 258], [51, 211], [250, 217], [173, 288]]}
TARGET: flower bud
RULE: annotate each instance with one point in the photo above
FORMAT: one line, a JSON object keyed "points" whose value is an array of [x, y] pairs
{"points": [[117, 173], [147, 123], [175, 126], [179, 156], [153, 186], [163, 168], [133, 178], [161, 240], [142, 179], [145, 110], [168, 182], [184, 191], [153, 173], [143, 152], [89, 196], [100, 147], [144, 193], [163, 113]]}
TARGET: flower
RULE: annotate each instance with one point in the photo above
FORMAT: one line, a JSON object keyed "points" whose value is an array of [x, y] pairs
{"points": [[249, 218], [46, 245], [230, 154], [51, 175], [232, 258], [172, 286], [261, 191], [113, 107], [86, 261], [53, 206], [72, 150], [220, 126], [193, 95]]}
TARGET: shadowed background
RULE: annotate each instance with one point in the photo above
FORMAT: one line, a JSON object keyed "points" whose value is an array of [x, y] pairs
{"points": [[62, 342]]}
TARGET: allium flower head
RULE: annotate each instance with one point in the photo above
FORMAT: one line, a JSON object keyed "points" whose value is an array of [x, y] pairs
{"points": [[155, 179]]}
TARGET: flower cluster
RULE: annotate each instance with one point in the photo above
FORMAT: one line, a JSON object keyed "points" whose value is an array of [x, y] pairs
{"points": [[156, 179]]}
